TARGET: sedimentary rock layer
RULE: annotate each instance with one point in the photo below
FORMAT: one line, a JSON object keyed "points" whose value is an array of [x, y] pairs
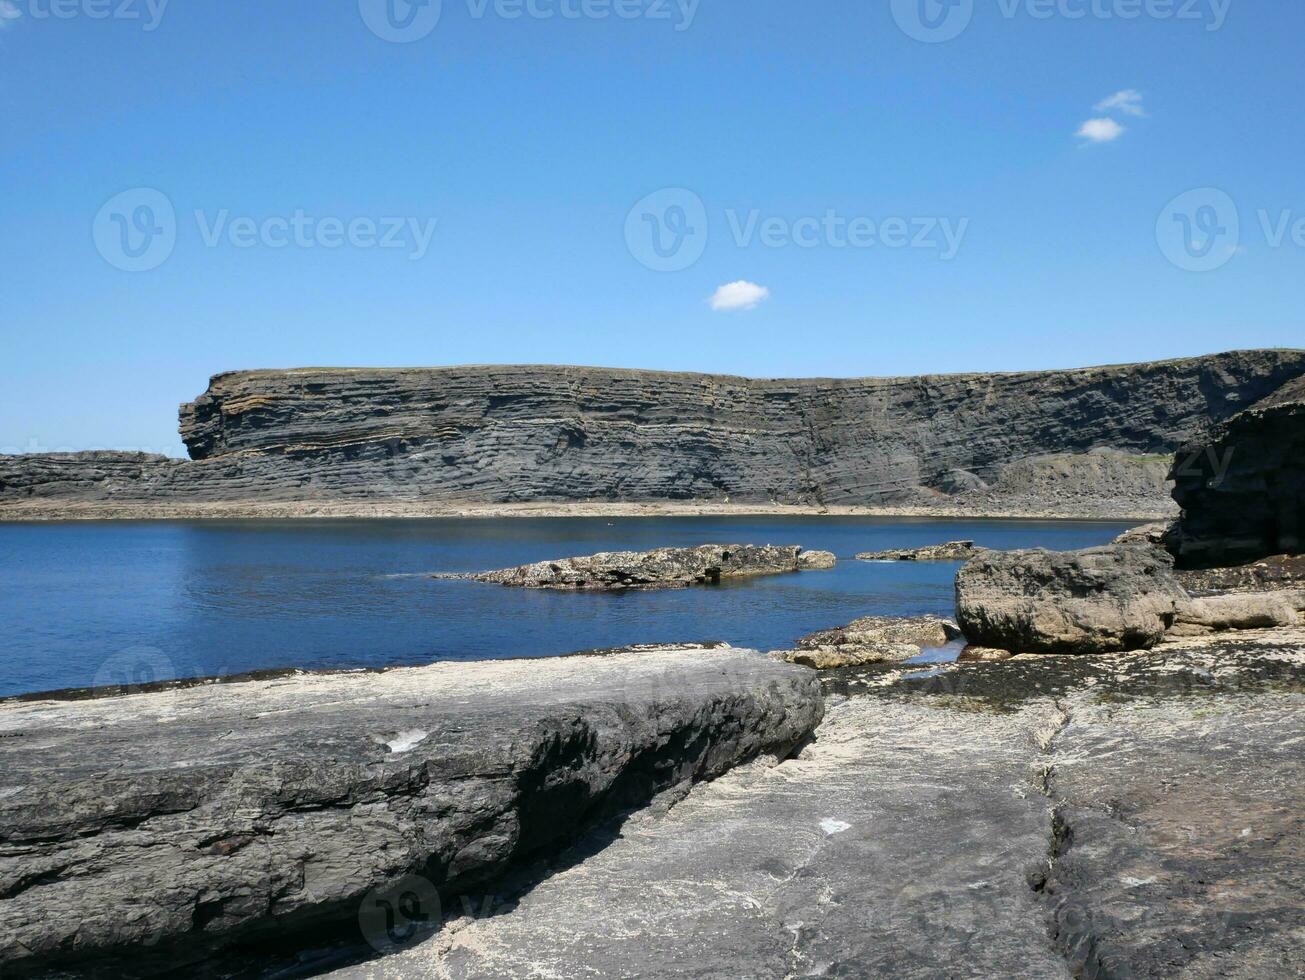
{"points": [[1243, 491], [141, 832], [508, 434]]}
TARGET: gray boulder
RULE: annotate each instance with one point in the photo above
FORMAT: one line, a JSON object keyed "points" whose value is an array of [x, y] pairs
{"points": [[662, 568], [1099, 600], [144, 833]]}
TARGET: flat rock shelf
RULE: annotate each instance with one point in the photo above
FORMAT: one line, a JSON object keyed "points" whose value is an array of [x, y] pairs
{"points": [[144, 832]]}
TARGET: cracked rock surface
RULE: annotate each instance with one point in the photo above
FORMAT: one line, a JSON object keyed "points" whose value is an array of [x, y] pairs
{"points": [[145, 832], [1137, 815]]}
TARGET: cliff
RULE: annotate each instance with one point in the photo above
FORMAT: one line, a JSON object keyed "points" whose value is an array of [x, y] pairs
{"points": [[513, 434], [1243, 491]]}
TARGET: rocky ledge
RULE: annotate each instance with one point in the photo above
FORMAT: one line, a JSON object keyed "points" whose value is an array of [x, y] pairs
{"points": [[1125, 816], [141, 834], [872, 640], [949, 551], [662, 568]]}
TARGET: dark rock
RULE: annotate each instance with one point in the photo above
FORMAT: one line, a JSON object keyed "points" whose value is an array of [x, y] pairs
{"points": [[662, 568], [141, 833], [1098, 600], [520, 434], [950, 551], [1242, 492], [1266, 575]]}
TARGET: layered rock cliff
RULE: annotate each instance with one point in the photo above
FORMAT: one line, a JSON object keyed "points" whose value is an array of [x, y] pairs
{"points": [[506, 434], [1243, 491]]}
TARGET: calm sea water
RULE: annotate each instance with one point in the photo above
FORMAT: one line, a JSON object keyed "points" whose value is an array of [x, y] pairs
{"points": [[122, 602]]}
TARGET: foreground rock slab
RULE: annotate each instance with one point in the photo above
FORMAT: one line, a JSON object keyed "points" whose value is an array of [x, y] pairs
{"points": [[1127, 816], [1179, 841], [871, 640], [949, 551], [662, 568], [896, 845], [1098, 600], [142, 832]]}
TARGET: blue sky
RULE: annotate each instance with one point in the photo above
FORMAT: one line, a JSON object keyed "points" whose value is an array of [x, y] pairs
{"points": [[527, 140]]}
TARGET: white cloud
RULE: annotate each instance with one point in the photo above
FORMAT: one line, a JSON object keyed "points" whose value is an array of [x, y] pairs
{"points": [[8, 12], [1100, 130], [1129, 102], [741, 295]]}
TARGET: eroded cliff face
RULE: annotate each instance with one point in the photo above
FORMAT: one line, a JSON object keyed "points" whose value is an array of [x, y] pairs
{"points": [[506, 434], [1243, 491]]}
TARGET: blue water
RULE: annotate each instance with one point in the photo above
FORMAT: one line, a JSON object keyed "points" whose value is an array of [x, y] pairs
{"points": [[120, 602]]}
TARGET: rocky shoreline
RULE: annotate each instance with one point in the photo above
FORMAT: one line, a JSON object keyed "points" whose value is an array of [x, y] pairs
{"points": [[1108, 783]]}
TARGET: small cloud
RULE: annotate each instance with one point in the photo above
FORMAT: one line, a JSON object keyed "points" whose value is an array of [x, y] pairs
{"points": [[741, 295], [8, 12], [1129, 102], [1100, 130]]}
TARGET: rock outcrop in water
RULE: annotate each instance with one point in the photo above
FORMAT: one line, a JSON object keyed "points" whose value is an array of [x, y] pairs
{"points": [[519, 434], [1243, 493], [872, 640], [949, 551], [139, 834], [661, 568]]}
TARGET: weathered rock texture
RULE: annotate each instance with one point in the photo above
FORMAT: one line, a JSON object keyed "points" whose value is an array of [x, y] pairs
{"points": [[871, 640], [661, 568], [1239, 611], [139, 833], [561, 433], [1098, 600], [1117, 817], [1243, 491], [949, 551]]}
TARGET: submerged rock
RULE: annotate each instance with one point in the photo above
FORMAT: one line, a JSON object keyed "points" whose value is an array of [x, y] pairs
{"points": [[950, 551], [140, 834], [872, 640], [662, 568], [1098, 600]]}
